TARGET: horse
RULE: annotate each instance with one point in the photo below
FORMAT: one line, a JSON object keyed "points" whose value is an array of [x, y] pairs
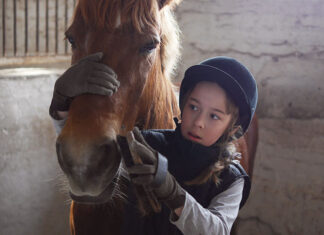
{"points": [[140, 41]]}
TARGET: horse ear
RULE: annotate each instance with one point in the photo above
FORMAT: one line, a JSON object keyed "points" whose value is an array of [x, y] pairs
{"points": [[172, 3]]}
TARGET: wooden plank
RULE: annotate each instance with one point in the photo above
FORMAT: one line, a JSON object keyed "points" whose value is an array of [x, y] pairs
{"points": [[9, 33], [51, 27], [37, 26], [60, 27], [2, 27], [42, 28], [20, 28], [31, 26]]}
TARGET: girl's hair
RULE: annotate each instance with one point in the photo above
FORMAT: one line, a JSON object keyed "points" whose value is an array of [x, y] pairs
{"points": [[227, 151]]}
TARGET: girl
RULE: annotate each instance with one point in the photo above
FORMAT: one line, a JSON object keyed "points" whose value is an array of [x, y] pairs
{"points": [[203, 186], [192, 169]]}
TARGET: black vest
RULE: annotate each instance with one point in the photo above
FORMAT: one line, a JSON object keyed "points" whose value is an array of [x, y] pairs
{"points": [[165, 142]]}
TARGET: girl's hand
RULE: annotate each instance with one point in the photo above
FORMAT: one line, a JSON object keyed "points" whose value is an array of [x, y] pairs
{"points": [[88, 76], [150, 170]]}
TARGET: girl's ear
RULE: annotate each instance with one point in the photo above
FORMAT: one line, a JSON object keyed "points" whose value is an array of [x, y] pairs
{"points": [[172, 3]]}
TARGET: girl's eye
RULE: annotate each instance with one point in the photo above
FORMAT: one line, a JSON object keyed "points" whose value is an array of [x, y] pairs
{"points": [[193, 107], [214, 116]]}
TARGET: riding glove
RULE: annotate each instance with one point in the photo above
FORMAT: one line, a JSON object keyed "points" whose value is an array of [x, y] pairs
{"points": [[90, 76], [152, 172]]}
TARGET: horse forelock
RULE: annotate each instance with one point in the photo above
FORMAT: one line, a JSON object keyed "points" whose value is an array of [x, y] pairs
{"points": [[143, 15], [106, 13]]}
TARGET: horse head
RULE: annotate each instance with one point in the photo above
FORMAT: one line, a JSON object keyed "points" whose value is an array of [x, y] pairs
{"points": [[139, 40]]}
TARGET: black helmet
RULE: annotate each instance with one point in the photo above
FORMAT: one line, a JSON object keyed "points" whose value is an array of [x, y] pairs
{"points": [[233, 77]]}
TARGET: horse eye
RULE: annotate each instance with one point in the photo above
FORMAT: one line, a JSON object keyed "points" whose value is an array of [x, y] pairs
{"points": [[148, 48], [71, 41]]}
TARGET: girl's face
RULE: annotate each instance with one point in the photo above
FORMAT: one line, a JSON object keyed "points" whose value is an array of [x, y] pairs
{"points": [[204, 115]]}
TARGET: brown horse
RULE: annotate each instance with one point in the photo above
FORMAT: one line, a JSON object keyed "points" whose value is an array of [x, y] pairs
{"points": [[139, 39]]}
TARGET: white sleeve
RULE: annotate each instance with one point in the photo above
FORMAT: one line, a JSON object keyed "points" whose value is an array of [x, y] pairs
{"points": [[218, 218], [58, 125]]}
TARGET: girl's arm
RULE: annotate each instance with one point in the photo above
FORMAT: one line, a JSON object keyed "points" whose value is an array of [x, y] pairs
{"points": [[218, 218]]}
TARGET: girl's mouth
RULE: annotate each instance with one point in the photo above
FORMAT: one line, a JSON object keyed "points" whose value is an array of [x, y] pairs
{"points": [[193, 137]]}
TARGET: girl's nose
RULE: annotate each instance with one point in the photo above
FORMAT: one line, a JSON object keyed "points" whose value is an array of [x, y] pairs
{"points": [[199, 121]]}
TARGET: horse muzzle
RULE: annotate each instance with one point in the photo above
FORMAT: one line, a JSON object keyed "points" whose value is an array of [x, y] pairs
{"points": [[91, 170]]}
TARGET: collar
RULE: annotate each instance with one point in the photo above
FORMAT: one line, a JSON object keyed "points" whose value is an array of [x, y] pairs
{"points": [[191, 158]]}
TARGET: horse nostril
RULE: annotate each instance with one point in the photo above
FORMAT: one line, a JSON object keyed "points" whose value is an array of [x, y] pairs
{"points": [[103, 154]]}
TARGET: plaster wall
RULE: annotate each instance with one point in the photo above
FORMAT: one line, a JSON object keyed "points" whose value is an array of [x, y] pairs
{"points": [[282, 43], [32, 200]]}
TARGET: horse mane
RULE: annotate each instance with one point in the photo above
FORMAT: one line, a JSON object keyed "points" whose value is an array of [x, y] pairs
{"points": [[144, 15]]}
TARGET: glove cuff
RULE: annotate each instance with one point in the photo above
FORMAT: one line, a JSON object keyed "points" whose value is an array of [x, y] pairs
{"points": [[161, 171], [176, 197], [176, 202], [59, 103]]}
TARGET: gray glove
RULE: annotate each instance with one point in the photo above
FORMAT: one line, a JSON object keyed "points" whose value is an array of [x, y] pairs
{"points": [[87, 76], [152, 173]]}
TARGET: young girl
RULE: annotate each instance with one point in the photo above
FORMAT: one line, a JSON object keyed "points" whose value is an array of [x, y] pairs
{"points": [[192, 169]]}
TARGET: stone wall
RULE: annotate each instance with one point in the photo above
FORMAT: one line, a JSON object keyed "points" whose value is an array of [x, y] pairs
{"points": [[282, 42]]}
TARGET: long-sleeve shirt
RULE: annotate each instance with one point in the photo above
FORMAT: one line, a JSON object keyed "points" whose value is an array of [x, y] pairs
{"points": [[217, 218]]}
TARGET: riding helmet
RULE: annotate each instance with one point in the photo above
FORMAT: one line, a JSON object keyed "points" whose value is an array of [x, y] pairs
{"points": [[233, 77]]}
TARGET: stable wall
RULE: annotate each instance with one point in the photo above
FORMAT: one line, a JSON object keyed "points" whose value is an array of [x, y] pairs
{"points": [[32, 200], [282, 43]]}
